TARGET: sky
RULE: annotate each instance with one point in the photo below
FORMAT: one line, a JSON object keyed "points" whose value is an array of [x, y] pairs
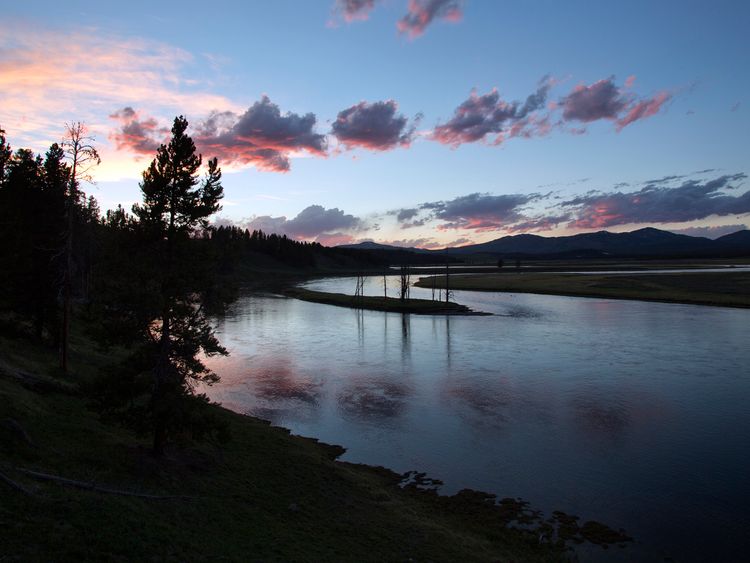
{"points": [[426, 123]]}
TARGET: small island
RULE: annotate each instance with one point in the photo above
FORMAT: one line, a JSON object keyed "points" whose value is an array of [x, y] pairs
{"points": [[376, 303]]}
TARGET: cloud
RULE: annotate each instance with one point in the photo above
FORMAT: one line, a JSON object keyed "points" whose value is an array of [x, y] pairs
{"points": [[480, 212], [139, 136], [481, 117], [538, 224], [605, 100], [421, 13], [406, 214], [40, 81], [335, 239], [352, 10], [693, 199], [374, 126], [311, 222], [461, 241], [710, 232], [261, 136], [643, 109], [601, 100], [423, 242]]}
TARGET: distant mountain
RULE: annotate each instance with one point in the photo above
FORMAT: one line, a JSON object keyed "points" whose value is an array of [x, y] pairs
{"points": [[648, 242], [370, 245], [736, 240]]}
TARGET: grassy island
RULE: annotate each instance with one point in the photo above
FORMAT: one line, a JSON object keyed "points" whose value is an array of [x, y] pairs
{"points": [[727, 289], [390, 304]]}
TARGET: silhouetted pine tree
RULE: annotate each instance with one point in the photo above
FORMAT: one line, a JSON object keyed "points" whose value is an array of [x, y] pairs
{"points": [[158, 299]]}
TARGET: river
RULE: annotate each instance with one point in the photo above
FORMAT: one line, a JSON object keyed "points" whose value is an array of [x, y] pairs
{"points": [[632, 413]]}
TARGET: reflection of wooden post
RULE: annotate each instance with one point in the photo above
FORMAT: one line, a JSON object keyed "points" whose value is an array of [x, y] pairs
{"points": [[447, 280]]}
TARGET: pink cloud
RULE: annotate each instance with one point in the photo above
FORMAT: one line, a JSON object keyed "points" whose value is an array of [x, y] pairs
{"points": [[334, 239], [353, 10], [262, 136], [605, 100], [601, 100], [136, 135], [643, 109], [490, 118], [375, 126], [421, 13]]}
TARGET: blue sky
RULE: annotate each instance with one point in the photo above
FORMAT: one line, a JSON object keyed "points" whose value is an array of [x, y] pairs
{"points": [[629, 93]]}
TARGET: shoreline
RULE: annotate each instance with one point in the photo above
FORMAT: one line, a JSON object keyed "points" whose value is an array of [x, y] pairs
{"points": [[385, 304], [730, 289], [266, 492]]}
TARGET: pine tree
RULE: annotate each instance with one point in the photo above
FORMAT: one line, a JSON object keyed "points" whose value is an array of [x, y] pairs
{"points": [[175, 206]]}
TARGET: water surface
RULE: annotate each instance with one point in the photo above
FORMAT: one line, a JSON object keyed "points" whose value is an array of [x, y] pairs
{"points": [[636, 414]]}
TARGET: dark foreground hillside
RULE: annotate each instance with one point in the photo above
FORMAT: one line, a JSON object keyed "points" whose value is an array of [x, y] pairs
{"points": [[263, 496]]}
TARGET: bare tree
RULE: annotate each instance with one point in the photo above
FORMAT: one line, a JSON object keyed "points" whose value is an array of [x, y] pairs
{"points": [[83, 157], [404, 279]]}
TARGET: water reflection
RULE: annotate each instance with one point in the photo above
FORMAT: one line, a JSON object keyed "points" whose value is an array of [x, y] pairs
{"points": [[636, 414], [375, 401]]}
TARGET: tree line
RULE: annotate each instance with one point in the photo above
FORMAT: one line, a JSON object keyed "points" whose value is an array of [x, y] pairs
{"points": [[143, 280]]}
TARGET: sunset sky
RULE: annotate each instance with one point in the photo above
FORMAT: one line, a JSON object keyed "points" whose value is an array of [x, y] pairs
{"points": [[411, 122]]}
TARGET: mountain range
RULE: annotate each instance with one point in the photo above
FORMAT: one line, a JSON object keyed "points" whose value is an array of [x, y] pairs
{"points": [[647, 242]]}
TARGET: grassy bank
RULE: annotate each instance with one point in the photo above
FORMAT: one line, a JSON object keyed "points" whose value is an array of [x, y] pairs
{"points": [[728, 289], [391, 304], [264, 496]]}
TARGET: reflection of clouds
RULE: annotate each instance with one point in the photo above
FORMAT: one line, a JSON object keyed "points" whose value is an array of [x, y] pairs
{"points": [[280, 393], [373, 400], [610, 413], [520, 312], [495, 401], [480, 405], [281, 384], [601, 416]]}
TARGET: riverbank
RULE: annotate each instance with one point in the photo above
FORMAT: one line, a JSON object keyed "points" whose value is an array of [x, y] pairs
{"points": [[77, 489], [388, 304], [724, 289]]}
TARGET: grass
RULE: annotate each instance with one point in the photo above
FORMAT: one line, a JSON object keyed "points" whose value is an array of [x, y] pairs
{"points": [[728, 289], [391, 304], [265, 496]]}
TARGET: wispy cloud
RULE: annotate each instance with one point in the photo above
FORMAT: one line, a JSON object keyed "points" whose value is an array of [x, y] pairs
{"points": [[712, 232], [41, 81], [605, 100], [693, 199], [489, 118], [479, 212]]}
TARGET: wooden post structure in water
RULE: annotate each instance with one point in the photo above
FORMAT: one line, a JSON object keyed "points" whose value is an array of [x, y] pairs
{"points": [[447, 280], [359, 292]]}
